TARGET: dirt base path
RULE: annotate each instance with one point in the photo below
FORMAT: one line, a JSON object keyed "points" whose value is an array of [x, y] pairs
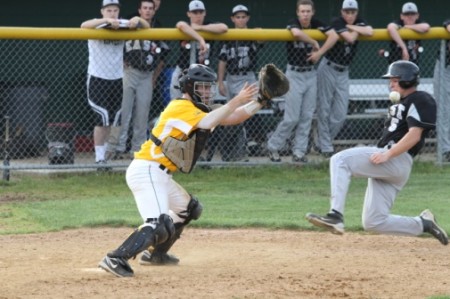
{"points": [[228, 264]]}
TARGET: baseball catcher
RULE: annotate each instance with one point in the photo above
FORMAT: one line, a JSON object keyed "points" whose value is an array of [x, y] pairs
{"points": [[176, 142]]}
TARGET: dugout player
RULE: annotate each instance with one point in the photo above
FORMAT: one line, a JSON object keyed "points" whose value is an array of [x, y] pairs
{"points": [[387, 165], [442, 94], [301, 99], [237, 65], [406, 49], [149, 175], [202, 50], [143, 62], [105, 72], [333, 75]]}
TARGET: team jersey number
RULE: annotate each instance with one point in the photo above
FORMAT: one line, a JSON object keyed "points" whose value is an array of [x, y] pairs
{"points": [[396, 114]]}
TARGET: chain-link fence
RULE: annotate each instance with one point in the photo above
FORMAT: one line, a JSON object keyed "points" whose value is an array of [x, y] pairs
{"points": [[47, 123]]}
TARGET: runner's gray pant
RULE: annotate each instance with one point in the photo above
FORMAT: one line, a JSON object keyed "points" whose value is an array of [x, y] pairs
{"points": [[384, 182]]}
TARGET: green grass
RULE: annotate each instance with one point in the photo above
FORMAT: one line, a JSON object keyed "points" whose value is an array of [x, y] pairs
{"points": [[270, 197]]}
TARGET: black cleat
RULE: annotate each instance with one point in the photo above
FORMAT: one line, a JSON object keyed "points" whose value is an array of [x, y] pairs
{"points": [[327, 155], [116, 266], [102, 166], [158, 258], [274, 156], [430, 226], [299, 158], [332, 222]]}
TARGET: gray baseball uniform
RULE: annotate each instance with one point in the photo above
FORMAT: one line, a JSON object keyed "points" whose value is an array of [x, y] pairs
{"points": [[184, 60], [412, 46], [333, 85], [137, 98], [385, 180], [443, 100], [299, 109], [240, 58], [300, 101], [140, 59]]}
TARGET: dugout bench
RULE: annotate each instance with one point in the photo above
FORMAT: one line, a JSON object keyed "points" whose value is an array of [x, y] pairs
{"points": [[369, 101]]}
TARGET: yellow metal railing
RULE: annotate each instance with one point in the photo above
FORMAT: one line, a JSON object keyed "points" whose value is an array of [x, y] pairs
{"points": [[175, 34]]}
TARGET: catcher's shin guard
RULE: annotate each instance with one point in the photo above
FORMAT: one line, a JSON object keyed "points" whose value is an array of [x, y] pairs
{"points": [[144, 237], [193, 212]]}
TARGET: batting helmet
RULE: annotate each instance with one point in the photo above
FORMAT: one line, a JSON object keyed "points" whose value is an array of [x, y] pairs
{"points": [[406, 71], [195, 76]]}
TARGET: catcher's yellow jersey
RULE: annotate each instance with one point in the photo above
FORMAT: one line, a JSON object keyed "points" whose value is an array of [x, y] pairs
{"points": [[177, 121]]}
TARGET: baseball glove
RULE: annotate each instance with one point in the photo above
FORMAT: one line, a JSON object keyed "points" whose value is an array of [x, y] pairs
{"points": [[272, 83]]}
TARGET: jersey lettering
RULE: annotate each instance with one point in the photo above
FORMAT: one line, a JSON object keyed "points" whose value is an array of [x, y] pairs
{"points": [[244, 60], [301, 45], [395, 111], [112, 42], [239, 55]]}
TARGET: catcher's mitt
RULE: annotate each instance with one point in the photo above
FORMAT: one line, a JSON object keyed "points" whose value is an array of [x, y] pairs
{"points": [[272, 83]]}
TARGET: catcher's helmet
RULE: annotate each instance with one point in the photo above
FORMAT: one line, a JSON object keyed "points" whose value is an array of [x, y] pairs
{"points": [[195, 76], [406, 71]]}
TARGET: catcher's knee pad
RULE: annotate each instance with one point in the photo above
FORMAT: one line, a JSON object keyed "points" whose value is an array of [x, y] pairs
{"points": [[193, 212], [164, 247], [164, 229], [144, 237]]}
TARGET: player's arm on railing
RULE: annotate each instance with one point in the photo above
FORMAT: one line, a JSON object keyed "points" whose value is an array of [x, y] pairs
{"points": [[392, 29], [420, 27], [213, 27], [187, 29]]}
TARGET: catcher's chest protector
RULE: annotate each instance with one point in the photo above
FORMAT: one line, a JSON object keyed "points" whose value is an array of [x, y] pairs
{"points": [[185, 153]]}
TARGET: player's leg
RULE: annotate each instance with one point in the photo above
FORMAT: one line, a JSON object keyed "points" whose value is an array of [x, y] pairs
{"points": [[242, 138], [128, 99], [339, 107], [378, 202], [174, 92], [301, 139], [113, 106], [151, 233], [442, 95], [97, 99], [326, 82], [376, 217], [144, 96], [149, 185], [184, 208], [356, 162], [293, 103], [233, 144], [444, 118]]}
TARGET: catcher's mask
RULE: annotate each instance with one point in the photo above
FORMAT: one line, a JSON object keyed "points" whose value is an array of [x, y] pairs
{"points": [[199, 81], [406, 71]]}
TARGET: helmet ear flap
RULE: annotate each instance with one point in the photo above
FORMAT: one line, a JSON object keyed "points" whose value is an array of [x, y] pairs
{"points": [[406, 84], [182, 80]]}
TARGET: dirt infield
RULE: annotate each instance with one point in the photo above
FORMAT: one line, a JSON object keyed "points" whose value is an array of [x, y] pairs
{"points": [[228, 264]]}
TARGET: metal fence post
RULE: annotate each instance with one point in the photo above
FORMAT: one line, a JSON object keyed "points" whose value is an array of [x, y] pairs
{"points": [[6, 150]]}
